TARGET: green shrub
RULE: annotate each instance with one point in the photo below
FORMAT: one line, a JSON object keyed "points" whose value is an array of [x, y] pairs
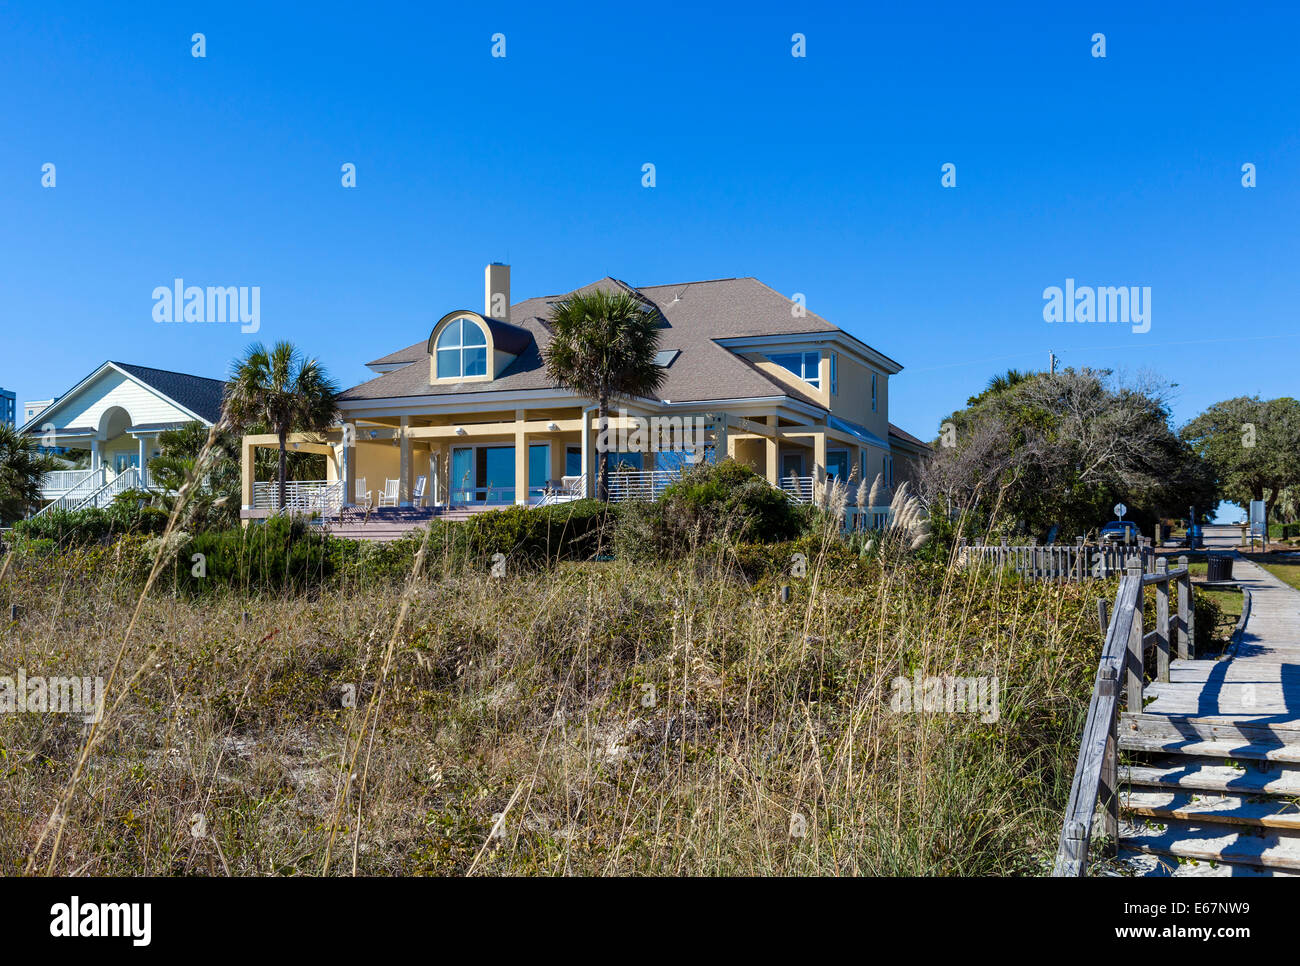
{"points": [[278, 554], [532, 536], [71, 528], [725, 501]]}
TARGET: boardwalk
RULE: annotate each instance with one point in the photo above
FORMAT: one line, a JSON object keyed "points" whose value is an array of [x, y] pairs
{"points": [[1215, 757], [1262, 680]]}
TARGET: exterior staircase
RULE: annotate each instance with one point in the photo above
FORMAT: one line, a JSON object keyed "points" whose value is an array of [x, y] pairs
{"points": [[95, 492], [1210, 796]]}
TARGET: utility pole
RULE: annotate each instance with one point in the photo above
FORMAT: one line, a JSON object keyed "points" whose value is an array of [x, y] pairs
{"points": [[1051, 362]]}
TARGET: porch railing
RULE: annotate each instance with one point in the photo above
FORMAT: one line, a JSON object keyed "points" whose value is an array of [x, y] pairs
{"points": [[58, 482], [640, 484], [800, 488], [79, 492], [300, 496]]}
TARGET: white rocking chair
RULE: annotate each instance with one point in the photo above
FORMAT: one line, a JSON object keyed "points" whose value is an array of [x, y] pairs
{"points": [[363, 495], [417, 497], [389, 496]]}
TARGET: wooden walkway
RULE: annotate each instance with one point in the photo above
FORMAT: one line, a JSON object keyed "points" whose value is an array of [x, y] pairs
{"points": [[1214, 769], [1261, 681]]}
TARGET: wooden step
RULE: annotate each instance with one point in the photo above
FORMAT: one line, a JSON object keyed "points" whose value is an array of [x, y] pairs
{"points": [[1257, 812], [1211, 749], [1257, 729], [1216, 775], [1270, 849], [1156, 866]]}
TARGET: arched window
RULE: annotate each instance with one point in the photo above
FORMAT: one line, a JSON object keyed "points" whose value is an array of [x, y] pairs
{"points": [[462, 350]]}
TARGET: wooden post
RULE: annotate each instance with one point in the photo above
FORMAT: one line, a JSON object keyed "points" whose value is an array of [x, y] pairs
{"points": [[1108, 796], [1103, 616], [1081, 559], [1162, 622], [1135, 657], [1184, 604]]}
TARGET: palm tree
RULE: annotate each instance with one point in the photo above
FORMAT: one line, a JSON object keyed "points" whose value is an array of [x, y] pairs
{"points": [[283, 389], [21, 467], [603, 346]]}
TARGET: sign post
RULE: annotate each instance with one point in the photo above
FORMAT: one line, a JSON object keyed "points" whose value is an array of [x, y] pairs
{"points": [[1258, 524]]}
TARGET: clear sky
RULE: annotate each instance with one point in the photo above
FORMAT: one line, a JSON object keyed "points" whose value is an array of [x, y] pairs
{"points": [[818, 175]]}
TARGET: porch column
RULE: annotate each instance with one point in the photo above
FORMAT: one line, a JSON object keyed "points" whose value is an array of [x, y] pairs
{"points": [[143, 445], [404, 474], [521, 459], [348, 470], [588, 452], [772, 470], [431, 484], [246, 475], [441, 469], [94, 454], [721, 443], [819, 457]]}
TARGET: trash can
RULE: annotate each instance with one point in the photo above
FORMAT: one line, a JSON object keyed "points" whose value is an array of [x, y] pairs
{"points": [[1218, 567]]}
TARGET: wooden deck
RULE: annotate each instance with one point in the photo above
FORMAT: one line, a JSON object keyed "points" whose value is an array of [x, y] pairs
{"points": [[1214, 759]]}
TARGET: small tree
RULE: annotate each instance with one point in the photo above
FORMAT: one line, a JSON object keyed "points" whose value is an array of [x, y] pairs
{"points": [[603, 347], [284, 390], [21, 467]]}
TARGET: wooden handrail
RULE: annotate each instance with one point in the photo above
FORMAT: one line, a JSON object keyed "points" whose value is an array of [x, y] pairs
{"points": [[1096, 774]]}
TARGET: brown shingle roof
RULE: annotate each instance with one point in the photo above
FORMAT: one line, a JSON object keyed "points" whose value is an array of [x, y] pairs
{"points": [[906, 437], [695, 315]]}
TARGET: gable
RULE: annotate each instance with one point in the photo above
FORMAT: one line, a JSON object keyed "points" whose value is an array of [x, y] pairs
{"points": [[110, 388]]}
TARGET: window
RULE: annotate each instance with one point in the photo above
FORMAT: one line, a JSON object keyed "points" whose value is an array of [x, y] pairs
{"points": [[873, 392], [539, 465], [805, 365], [573, 461], [837, 464], [835, 373], [462, 350]]}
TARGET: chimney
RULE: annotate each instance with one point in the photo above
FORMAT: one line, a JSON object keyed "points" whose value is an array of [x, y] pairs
{"points": [[496, 292]]}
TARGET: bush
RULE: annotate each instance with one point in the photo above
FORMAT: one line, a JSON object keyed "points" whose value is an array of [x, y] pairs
{"points": [[532, 536], [281, 553], [71, 528], [1283, 531], [713, 502]]}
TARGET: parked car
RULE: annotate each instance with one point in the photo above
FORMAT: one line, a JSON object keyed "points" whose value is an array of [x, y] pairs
{"points": [[1119, 531]]}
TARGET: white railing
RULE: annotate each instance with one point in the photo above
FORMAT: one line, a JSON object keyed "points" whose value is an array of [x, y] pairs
{"points": [[640, 484], [800, 488], [95, 492], [75, 495], [300, 496], [128, 479], [58, 482]]}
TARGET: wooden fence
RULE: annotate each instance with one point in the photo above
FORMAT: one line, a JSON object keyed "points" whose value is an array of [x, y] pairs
{"points": [[1076, 561], [1096, 775]]}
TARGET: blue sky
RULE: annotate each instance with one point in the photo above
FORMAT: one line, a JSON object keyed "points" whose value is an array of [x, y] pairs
{"points": [[819, 175]]}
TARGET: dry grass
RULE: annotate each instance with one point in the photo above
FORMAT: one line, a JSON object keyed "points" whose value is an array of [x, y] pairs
{"points": [[590, 719]]}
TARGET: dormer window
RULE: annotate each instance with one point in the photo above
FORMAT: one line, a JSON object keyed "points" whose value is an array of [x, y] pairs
{"points": [[805, 365], [462, 350]]}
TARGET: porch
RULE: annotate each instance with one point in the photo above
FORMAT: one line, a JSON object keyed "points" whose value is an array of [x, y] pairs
{"points": [[544, 456]]}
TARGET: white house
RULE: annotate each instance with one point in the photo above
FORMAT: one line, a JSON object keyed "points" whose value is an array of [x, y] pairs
{"points": [[115, 414]]}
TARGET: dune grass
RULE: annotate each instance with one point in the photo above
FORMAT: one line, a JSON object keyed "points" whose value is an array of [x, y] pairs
{"points": [[583, 719]]}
